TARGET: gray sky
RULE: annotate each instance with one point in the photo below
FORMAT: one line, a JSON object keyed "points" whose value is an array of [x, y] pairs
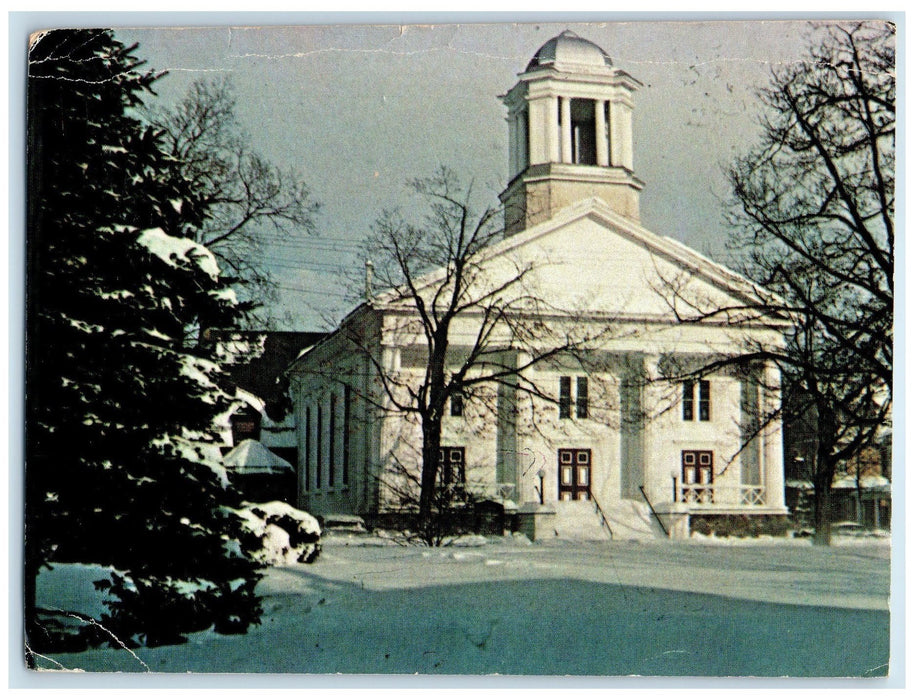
{"points": [[360, 109]]}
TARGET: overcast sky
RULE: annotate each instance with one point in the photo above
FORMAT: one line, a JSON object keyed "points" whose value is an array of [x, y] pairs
{"points": [[360, 109]]}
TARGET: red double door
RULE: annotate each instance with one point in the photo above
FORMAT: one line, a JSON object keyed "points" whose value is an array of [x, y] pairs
{"points": [[574, 474]]}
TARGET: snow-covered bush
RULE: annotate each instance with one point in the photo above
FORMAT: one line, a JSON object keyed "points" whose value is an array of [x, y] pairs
{"points": [[280, 534]]}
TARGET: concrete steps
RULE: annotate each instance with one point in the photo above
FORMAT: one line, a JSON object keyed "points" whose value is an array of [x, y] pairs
{"points": [[628, 520]]}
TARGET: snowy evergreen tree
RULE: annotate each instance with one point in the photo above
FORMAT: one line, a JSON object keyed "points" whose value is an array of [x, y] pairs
{"points": [[121, 463]]}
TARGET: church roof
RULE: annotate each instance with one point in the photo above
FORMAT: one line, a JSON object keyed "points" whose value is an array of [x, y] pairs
{"points": [[252, 457], [568, 47]]}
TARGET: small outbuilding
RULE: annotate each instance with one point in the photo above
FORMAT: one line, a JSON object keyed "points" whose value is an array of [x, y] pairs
{"points": [[261, 475]]}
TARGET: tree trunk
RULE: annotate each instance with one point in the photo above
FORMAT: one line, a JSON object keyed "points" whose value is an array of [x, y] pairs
{"points": [[858, 506], [431, 424], [822, 513], [822, 482], [824, 473], [431, 447]]}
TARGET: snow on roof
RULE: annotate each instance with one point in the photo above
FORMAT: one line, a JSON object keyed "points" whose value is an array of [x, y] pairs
{"points": [[866, 482], [849, 481], [875, 482], [798, 484], [251, 457]]}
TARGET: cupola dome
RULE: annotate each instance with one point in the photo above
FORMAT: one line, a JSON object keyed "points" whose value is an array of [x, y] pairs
{"points": [[569, 48]]}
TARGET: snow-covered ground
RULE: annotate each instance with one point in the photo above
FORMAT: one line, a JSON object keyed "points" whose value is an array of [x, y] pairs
{"points": [[707, 608]]}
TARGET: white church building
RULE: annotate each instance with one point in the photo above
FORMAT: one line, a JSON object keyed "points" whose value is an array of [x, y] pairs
{"points": [[633, 443]]}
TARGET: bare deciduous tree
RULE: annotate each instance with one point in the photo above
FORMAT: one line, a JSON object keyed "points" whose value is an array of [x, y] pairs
{"points": [[250, 201], [436, 271], [813, 215]]}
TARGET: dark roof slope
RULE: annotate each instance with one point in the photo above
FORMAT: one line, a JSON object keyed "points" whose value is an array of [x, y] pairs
{"points": [[263, 375]]}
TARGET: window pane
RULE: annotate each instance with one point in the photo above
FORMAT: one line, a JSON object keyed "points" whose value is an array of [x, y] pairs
{"points": [[452, 463], [319, 457], [308, 448], [582, 399], [688, 401], [567, 475], [457, 404], [583, 476], [565, 397], [704, 400], [566, 456], [347, 415], [332, 440]]}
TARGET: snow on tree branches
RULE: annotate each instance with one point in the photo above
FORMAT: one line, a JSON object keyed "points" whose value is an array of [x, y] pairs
{"points": [[122, 466]]}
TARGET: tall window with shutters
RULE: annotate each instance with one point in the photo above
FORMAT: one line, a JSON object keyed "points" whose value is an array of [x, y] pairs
{"points": [[307, 460], [319, 457], [347, 420], [331, 435]]}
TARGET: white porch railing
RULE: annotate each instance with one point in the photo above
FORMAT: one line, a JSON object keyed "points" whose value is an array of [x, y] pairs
{"points": [[712, 495]]}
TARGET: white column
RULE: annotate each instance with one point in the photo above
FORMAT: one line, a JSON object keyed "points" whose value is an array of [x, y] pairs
{"points": [[523, 444], [656, 473], [523, 140], [390, 358], [602, 141], [520, 142], [543, 130], [552, 129], [620, 138], [616, 136], [512, 145], [566, 129], [772, 437], [628, 156], [300, 440]]}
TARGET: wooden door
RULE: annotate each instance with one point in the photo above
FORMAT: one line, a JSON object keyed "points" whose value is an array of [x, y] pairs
{"points": [[574, 474], [697, 476]]}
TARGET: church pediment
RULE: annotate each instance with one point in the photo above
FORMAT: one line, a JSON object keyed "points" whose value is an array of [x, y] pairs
{"points": [[589, 259]]}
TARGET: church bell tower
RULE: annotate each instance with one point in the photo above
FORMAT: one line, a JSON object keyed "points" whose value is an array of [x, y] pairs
{"points": [[570, 134]]}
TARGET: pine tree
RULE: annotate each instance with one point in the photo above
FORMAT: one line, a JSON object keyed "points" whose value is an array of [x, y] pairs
{"points": [[121, 464]]}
